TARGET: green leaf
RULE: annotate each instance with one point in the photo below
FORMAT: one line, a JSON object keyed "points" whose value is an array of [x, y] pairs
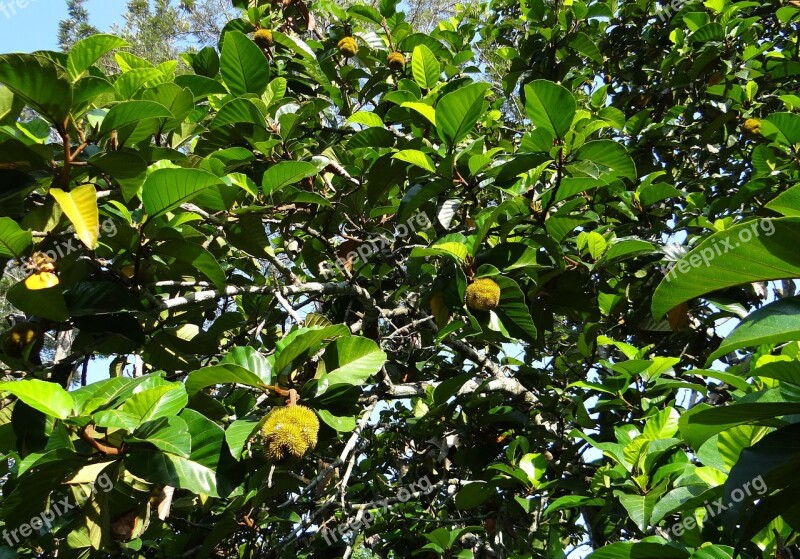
{"points": [[775, 323], [238, 111], [352, 360], [422, 108], [703, 422], [169, 434], [38, 81], [365, 118], [473, 495], [302, 343], [610, 156], [344, 424], [47, 397], [550, 106], [459, 111], [787, 202], [45, 303], [417, 158], [639, 550], [238, 433], [783, 128], [513, 311], [639, 507], [131, 112], [244, 67], [166, 189], [14, 241], [196, 256], [249, 358], [169, 469], [87, 51], [286, 173], [221, 374], [424, 67], [759, 250], [162, 401]]}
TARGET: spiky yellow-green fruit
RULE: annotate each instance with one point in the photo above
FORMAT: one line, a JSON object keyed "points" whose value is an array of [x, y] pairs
{"points": [[752, 126], [289, 432], [263, 38], [348, 47], [19, 337], [483, 295], [396, 60]]}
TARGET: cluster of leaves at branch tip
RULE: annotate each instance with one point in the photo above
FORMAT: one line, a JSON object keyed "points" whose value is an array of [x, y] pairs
{"points": [[19, 337], [396, 60], [289, 432], [752, 126], [263, 38], [483, 295], [348, 47]]}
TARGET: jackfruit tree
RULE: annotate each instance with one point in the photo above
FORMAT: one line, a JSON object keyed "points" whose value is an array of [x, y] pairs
{"points": [[520, 287]]}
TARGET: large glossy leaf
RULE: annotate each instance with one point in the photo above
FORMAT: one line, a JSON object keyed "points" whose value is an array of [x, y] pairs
{"points": [[238, 111], [45, 303], [47, 397], [169, 434], [160, 401], [166, 189], [170, 469], [131, 112], [252, 360], [425, 67], [80, 207], [459, 111], [238, 433], [14, 241], [39, 82], [777, 322], [301, 344], [352, 360], [87, 51], [550, 106], [286, 173], [758, 250], [244, 67], [221, 374], [639, 550], [196, 256], [703, 422], [610, 157], [417, 158]]}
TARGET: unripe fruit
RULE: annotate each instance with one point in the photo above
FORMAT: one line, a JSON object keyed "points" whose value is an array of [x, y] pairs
{"points": [[348, 47], [289, 432], [263, 38], [396, 61], [483, 295], [19, 337], [752, 127]]}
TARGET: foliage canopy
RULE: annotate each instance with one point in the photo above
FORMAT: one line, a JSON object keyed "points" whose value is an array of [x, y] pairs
{"points": [[290, 221]]}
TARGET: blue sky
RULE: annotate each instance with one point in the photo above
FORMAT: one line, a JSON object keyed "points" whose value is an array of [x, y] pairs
{"points": [[35, 26]]}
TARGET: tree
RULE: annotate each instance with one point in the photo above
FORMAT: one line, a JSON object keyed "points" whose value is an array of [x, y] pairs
{"points": [[466, 293], [76, 26]]}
